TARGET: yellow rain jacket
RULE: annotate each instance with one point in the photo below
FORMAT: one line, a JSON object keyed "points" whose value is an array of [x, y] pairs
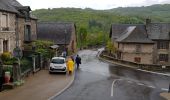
{"points": [[70, 65]]}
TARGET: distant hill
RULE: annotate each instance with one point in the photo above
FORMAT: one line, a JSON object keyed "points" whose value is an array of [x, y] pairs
{"points": [[98, 22], [158, 13]]}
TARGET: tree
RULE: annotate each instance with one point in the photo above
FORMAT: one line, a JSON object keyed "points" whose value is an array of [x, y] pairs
{"points": [[83, 36], [110, 47]]}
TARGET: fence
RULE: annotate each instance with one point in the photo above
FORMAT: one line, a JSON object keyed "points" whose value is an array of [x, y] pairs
{"points": [[35, 59], [150, 67]]}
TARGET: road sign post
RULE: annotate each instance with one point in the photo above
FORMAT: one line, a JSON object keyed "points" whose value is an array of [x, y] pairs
{"points": [[17, 53]]}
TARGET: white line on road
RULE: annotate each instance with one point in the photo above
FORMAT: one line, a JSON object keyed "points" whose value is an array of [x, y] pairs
{"points": [[140, 84], [130, 82], [163, 89], [154, 72], [151, 86], [113, 83]]}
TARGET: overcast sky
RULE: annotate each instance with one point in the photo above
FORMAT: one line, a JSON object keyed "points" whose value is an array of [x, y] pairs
{"points": [[94, 4]]}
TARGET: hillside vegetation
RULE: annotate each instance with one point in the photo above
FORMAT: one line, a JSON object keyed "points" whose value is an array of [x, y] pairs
{"points": [[97, 23], [158, 13]]}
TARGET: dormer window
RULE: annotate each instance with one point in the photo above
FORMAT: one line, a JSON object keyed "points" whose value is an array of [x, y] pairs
{"points": [[27, 34], [27, 16]]}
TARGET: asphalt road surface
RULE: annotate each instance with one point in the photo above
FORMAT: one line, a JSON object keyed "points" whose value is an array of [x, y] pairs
{"points": [[97, 80]]}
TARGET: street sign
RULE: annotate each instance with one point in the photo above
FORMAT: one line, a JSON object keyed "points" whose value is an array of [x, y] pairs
{"points": [[17, 53]]}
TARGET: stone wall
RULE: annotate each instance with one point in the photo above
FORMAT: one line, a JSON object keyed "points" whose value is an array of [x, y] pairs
{"points": [[73, 41], [9, 33], [129, 53], [21, 29], [145, 58]]}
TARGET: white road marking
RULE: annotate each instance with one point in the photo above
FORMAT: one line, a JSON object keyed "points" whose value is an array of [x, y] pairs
{"points": [[140, 84], [130, 82], [163, 89], [113, 83], [151, 86], [154, 72]]}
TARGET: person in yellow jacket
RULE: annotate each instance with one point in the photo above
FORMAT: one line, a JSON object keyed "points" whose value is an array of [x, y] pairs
{"points": [[70, 66]]}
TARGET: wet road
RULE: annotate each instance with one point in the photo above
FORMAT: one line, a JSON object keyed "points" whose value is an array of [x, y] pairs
{"points": [[97, 80]]}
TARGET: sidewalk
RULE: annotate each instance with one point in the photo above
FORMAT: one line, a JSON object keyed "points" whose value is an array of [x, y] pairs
{"points": [[166, 95], [40, 86]]}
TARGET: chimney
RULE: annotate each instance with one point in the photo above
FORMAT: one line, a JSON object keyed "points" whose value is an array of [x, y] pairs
{"points": [[148, 21], [147, 26]]}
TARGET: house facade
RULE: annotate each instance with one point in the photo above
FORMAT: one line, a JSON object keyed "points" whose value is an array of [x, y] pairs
{"points": [[7, 31], [16, 25], [145, 44], [62, 34]]}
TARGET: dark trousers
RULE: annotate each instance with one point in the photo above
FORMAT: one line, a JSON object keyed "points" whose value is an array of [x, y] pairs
{"points": [[77, 65]]}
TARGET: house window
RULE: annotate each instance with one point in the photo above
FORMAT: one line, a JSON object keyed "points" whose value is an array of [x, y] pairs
{"points": [[27, 35], [163, 57], [163, 45], [27, 16], [137, 59], [4, 22], [5, 46], [138, 48]]}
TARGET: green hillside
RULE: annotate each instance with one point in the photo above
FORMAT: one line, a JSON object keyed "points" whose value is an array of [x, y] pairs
{"points": [[158, 13], [97, 23]]}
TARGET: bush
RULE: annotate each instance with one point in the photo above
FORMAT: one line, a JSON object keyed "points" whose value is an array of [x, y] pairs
{"points": [[6, 56], [43, 48], [25, 64]]}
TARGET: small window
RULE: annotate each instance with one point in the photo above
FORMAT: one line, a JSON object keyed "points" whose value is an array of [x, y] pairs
{"points": [[137, 59], [138, 48], [163, 45], [4, 21], [27, 36], [27, 16], [5, 46], [163, 57]]}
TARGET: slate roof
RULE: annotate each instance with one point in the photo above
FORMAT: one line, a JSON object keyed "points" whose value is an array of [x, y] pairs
{"points": [[9, 5], [118, 29], [159, 31], [14, 6], [58, 32], [134, 34], [141, 34]]}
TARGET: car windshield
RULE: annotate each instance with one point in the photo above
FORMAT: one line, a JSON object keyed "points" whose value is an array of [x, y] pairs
{"points": [[58, 61]]}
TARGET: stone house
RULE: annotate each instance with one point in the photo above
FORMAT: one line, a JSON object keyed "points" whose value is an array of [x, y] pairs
{"points": [[62, 34], [17, 26], [146, 44]]}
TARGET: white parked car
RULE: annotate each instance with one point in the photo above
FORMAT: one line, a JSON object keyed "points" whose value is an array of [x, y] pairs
{"points": [[58, 64]]}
